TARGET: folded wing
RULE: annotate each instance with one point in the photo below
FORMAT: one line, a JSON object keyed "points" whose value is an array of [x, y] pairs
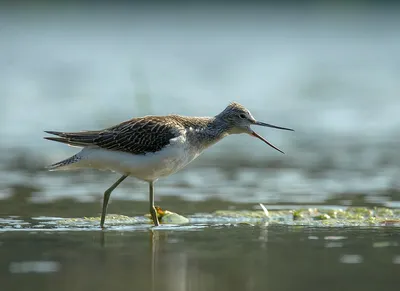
{"points": [[137, 136]]}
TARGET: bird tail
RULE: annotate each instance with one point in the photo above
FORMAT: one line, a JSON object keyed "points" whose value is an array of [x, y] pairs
{"points": [[66, 164], [79, 139]]}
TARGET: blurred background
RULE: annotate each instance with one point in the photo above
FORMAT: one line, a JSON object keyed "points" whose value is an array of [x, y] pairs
{"points": [[329, 70]]}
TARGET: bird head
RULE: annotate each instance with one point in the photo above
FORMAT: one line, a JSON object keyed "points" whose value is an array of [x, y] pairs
{"points": [[239, 119]]}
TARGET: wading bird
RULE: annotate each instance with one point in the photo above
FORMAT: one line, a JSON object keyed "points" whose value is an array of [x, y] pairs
{"points": [[151, 147]]}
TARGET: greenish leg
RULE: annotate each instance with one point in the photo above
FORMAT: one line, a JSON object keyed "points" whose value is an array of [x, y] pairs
{"points": [[153, 211], [107, 194]]}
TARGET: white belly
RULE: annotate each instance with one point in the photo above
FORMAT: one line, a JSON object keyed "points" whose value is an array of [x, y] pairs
{"points": [[147, 167]]}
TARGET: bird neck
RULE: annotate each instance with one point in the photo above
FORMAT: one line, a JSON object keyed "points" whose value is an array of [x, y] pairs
{"points": [[206, 131]]}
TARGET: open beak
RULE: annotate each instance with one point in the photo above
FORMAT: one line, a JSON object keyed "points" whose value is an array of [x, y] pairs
{"points": [[253, 133]]}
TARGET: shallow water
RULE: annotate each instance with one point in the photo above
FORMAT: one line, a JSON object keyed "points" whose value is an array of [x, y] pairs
{"points": [[206, 257], [224, 250]]}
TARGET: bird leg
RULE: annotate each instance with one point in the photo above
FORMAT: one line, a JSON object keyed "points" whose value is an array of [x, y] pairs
{"points": [[106, 197], [153, 211]]}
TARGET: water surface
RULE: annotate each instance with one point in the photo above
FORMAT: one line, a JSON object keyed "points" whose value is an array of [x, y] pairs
{"points": [[207, 257]]}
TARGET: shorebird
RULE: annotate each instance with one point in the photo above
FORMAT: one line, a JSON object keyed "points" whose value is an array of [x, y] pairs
{"points": [[152, 147]]}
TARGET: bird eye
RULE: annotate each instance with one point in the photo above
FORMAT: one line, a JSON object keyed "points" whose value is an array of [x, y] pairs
{"points": [[242, 116]]}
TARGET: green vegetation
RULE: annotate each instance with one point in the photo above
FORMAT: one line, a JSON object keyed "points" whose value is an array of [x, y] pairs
{"points": [[324, 217]]}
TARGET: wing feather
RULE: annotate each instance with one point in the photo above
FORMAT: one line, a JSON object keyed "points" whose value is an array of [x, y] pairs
{"points": [[137, 136]]}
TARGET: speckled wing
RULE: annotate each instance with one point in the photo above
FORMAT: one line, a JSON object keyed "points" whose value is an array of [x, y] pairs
{"points": [[137, 136]]}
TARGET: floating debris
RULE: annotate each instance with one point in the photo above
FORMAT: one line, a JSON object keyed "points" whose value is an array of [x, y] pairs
{"points": [[169, 217], [265, 210]]}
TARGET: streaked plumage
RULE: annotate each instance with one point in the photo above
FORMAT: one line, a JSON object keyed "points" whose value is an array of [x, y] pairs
{"points": [[151, 147]]}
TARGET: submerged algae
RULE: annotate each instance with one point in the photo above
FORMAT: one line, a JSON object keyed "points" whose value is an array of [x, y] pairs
{"points": [[314, 217], [351, 216], [111, 219]]}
